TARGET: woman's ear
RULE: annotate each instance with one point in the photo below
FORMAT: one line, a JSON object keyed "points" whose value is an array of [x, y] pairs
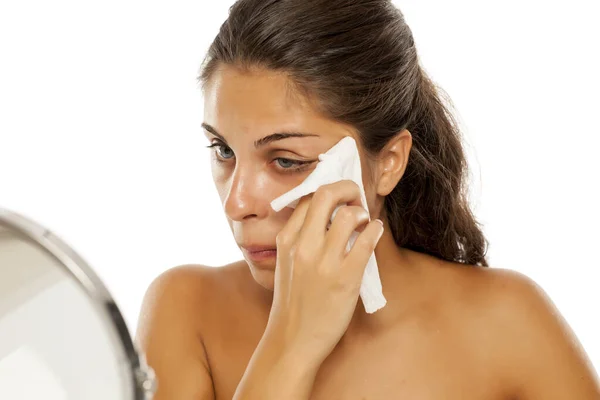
{"points": [[392, 162]]}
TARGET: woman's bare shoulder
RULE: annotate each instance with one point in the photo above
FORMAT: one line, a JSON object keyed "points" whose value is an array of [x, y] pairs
{"points": [[196, 276], [501, 300], [180, 307], [169, 337], [195, 288], [519, 328]]}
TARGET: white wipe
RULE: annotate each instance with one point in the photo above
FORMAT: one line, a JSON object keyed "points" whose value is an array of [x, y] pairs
{"points": [[340, 162]]}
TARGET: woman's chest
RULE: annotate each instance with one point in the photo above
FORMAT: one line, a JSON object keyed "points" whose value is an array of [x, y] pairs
{"points": [[405, 369], [402, 367]]}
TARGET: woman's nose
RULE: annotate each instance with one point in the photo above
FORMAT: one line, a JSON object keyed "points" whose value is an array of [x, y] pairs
{"points": [[246, 197]]}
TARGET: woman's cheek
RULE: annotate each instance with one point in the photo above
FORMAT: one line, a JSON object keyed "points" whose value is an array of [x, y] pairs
{"points": [[219, 173], [221, 184]]}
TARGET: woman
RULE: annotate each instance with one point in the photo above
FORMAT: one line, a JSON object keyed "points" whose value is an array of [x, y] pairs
{"points": [[283, 82]]}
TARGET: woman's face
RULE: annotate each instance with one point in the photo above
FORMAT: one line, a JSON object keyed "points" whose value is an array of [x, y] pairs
{"points": [[250, 167]]}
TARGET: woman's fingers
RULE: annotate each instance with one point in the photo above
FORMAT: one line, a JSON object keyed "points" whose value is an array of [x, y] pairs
{"points": [[309, 221], [292, 228], [347, 220], [324, 201], [363, 247]]}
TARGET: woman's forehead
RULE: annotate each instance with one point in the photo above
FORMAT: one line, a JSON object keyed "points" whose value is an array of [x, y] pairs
{"points": [[254, 105], [256, 91]]}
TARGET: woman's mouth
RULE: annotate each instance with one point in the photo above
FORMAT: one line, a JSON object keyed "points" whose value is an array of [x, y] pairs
{"points": [[259, 254]]}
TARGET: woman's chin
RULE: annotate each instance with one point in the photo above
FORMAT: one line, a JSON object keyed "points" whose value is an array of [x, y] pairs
{"points": [[265, 277]]}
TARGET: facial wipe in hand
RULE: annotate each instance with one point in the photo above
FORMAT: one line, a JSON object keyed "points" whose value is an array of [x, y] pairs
{"points": [[341, 162]]}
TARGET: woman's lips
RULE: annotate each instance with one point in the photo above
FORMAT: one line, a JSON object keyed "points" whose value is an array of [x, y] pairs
{"points": [[260, 255]]}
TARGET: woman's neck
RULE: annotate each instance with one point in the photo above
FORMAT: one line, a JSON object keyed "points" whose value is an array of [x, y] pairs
{"points": [[402, 273]]}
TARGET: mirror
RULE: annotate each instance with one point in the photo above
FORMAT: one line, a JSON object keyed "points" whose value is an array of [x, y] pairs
{"points": [[61, 335]]}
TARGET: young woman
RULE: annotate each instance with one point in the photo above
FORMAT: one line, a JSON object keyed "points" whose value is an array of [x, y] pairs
{"points": [[283, 82]]}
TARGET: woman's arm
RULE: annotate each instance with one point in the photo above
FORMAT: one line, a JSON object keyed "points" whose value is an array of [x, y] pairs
{"points": [[546, 359], [170, 336], [276, 371]]}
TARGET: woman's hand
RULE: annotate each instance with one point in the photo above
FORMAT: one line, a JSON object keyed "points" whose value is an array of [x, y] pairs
{"points": [[317, 281]]}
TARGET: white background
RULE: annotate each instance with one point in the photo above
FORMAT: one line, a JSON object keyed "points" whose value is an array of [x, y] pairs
{"points": [[100, 136]]}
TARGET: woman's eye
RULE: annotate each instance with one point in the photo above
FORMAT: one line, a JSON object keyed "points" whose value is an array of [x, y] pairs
{"points": [[223, 153], [289, 166], [220, 152], [285, 163]]}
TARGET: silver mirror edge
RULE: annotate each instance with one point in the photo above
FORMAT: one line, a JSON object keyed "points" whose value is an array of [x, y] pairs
{"points": [[144, 379]]}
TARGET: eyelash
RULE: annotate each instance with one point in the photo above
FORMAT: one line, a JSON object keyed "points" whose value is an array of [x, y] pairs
{"points": [[300, 165]]}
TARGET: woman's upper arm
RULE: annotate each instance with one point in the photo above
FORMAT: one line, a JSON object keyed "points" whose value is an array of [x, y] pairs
{"points": [[546, 358], [169, 334]]}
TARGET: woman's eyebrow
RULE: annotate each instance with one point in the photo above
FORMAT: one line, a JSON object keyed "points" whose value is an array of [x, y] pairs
{"points": [[265, 140]]}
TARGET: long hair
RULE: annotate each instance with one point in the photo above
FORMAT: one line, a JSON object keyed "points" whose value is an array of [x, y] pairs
{"points": [[358, 59]]}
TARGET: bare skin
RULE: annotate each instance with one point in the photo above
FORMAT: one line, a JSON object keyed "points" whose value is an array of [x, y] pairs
{"points": [[448, 331]]}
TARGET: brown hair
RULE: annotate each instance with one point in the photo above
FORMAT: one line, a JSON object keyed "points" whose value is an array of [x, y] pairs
{"points": [[358, 59]]}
